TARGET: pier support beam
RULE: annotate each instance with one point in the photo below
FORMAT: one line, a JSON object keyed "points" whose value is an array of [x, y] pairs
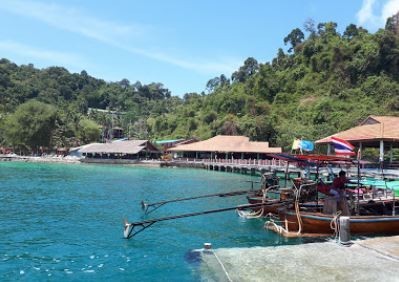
{"points": [[390, 153], [381, 150]]}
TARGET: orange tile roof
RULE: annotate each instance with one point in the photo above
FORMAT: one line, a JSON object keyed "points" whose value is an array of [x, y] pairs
{"points": [[231, 144], [373, 128]]}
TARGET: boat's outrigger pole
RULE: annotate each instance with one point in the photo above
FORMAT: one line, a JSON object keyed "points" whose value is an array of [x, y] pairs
{"points": [[129, 228], [150, 207]]}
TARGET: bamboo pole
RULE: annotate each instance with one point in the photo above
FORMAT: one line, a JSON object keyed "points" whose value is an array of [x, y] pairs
{"points": [[129, 231]]}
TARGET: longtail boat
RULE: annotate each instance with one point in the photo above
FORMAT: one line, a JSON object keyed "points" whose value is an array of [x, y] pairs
{"points": [[319, 223], [271, 194], [271, 208], [370, 216], [367, 215], [277, 197]]}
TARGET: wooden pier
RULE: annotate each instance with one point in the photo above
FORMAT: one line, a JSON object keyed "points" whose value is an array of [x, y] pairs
{"points": [[252, 167], [375, 259], [281, 168]]}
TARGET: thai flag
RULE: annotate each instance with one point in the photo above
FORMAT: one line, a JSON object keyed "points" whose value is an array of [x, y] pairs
{"points": [[342, 147]]}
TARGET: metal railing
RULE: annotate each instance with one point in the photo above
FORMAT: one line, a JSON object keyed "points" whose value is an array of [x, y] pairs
{"points": [[248, 162]]}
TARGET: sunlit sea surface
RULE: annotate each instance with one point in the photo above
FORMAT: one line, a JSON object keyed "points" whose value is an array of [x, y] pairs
{"points": [[65, 222]]}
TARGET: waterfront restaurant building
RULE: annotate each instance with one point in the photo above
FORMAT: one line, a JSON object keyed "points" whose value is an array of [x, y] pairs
{"points": [[375, 131], [225, 147], [121, 151]]}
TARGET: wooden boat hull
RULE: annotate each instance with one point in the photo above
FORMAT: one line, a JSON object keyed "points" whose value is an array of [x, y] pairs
{"points": [[272, 205], [320, 223]]}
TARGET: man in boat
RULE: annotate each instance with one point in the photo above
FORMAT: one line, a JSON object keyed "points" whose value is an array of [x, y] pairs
{"points": [[338, 192]]}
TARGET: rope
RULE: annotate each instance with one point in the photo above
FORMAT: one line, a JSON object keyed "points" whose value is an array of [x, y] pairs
{"points": [[252, 214], [298, 215], [255, 214], [278, 228], [223, 268], [297, 210], [334, 224], [282, 230]]}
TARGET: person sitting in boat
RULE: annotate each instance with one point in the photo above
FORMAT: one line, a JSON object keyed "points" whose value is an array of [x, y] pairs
{"points": [[338, 192], [338, 185]]}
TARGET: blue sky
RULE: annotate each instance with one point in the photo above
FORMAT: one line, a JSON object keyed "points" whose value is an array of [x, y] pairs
{"points": [[180, 43]]}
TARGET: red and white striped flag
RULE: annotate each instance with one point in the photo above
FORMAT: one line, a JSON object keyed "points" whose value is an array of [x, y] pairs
{"points": [[342, 147]]}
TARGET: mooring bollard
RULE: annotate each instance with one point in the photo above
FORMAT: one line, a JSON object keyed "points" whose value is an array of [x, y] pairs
{"points": [[207, 246], [344, 231]]}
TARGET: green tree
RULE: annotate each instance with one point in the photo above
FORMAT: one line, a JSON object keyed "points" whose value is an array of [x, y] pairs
{"points": [[249, 68], [351, 31], [30, 126], [88, 131], [295, 37]]}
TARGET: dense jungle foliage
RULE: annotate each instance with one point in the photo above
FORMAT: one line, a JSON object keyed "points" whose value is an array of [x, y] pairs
{"points": [[324, 83]]}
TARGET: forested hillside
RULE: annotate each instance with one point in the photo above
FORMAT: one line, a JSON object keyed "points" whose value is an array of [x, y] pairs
{"points": [[325, 82]]}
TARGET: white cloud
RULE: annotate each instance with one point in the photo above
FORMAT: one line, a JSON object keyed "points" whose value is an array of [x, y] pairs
{"points": [[51, 57], [72, 20], [111, 33], [371, 17], [389, 9], [222, 66], [365, 14]]}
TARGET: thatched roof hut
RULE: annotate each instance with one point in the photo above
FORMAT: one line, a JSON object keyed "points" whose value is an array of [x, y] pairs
{"points": [[120, 147]]}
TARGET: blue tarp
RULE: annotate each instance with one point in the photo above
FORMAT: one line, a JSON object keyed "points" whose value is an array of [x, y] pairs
{"points": [[306, 145]]}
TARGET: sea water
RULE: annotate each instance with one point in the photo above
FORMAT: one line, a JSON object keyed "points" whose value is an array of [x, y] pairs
{"points": [[65, 222]]}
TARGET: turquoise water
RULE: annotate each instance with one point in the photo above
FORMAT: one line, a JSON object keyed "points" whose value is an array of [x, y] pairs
{"points": [[65, 222]]}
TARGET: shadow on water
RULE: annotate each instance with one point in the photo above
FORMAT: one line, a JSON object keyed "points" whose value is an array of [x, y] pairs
{"points": [[193, 257]]}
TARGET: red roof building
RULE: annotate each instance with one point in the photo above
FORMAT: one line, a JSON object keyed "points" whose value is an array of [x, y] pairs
{"points": [[374, 131]]}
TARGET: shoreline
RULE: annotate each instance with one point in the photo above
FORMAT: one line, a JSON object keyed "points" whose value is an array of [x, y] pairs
{"points": [[72, 160], [388, 175], [33, 159]]}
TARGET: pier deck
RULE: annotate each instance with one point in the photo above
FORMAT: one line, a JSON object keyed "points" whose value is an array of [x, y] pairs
{"points": [[253, 167], [258, 167], [374, 259]]}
